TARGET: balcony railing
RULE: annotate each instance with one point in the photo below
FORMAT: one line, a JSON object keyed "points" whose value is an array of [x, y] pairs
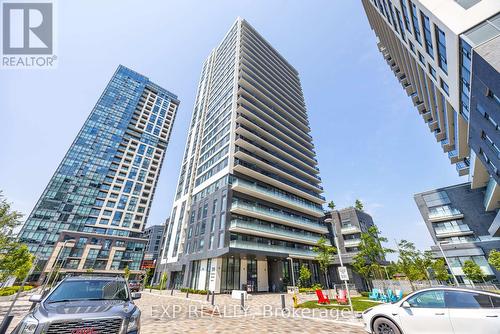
{"points": [[276, 232], [280, 216], [349, 229], [280, 168], [452, 229], [352, 242], [271, 248], [276, 177], [278, 194]]}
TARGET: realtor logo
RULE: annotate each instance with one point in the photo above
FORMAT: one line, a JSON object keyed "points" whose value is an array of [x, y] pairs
{"points": [[27, 34]]}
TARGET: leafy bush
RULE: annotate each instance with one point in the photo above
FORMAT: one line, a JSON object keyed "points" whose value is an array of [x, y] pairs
{"points": [[195, 291], [313, 288], [364, 293], [13, 289]]}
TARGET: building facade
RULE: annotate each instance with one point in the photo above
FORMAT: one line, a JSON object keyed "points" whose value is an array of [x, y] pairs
{"points": [[457, 220], [100, 254], [249, 194], [154, 235], [348, 224], [484, 133], [434, 48], [106, 181]]}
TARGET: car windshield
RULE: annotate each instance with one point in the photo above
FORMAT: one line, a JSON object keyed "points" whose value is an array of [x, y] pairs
{"points": [[89, 290]]}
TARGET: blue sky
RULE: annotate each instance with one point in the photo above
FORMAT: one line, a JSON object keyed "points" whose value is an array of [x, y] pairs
{"points": [[371, 142]]}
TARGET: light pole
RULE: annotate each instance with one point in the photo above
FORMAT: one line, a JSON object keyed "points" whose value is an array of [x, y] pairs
{"points": [[336, 239], [386, 274], [49, 276], [439, 243]]}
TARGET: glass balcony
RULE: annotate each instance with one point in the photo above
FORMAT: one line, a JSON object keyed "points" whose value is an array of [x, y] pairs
{"points": [[443, 213], [349, 229], [280, 217], [314, 209], [455, 229], [274, 232], [272, 248], [351, 242], [255, 168], [279, 168], [276, 155]]}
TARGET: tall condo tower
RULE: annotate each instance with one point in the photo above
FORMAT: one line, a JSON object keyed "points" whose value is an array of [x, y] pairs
{"points": [[248, 199], [104, 186]]}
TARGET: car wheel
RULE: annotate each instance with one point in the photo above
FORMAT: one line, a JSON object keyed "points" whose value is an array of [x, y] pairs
{"points": [[385, 326]]}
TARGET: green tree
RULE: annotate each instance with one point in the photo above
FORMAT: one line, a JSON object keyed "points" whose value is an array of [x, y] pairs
{"points": [[473, 271], [89, 270], [440, 270], [331, 205], [163, 280], [304, 277], [412, 262], [149, 274], [15, 259], [371, 254], [358, 205], [494, 259], [324, 256], [126, 273]]}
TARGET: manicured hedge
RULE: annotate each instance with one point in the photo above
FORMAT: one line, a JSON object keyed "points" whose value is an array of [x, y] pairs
{"points": [[13, 289], [198, 292]]}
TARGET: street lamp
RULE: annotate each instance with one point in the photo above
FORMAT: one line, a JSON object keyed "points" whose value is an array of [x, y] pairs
{"points": [[439, 243], [336, 240], [49, 276]]}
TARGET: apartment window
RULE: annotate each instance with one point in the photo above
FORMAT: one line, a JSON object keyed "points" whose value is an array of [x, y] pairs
{"points": [[432, 71], [400, 23], [414, 20], [444, 86], [492, 95], [421, 58], [405, 15], [441, 49], [427, 35], [483, 112], [490, 143], [412, 47], [435, 199]]}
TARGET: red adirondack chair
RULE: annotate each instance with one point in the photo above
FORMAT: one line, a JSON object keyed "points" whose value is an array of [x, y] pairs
{"points": [[342, 297], [322, 299]]}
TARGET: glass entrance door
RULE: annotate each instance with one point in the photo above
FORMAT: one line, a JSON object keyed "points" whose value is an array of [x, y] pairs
{"points": [[251, 275]]}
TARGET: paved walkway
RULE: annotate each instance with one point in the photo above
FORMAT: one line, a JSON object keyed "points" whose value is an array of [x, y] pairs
{"points": [[20, 309], [163, 313]]}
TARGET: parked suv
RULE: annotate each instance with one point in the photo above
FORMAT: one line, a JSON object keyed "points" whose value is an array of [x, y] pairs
{"points": [[84, 305]]}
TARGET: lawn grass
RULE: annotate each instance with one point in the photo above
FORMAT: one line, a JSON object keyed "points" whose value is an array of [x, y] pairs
{"points": [[358, 303]]}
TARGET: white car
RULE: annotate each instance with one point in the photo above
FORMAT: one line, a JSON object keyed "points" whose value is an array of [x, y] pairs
{"points": [[437, 311]]}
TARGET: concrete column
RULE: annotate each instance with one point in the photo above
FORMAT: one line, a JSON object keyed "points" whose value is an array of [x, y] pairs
{"points": [[203, 274], [215, 275], [262, 279]]}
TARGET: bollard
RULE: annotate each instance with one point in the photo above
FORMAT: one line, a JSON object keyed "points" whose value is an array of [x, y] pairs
{"points": [[187, 293], [213, 298], [242, 301], [172, 292], [283, 305], [208, 295], [5, 323]]}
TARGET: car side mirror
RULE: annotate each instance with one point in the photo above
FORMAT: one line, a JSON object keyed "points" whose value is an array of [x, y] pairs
{"points": [[135, 295], [36, 298], [405, 304]]}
